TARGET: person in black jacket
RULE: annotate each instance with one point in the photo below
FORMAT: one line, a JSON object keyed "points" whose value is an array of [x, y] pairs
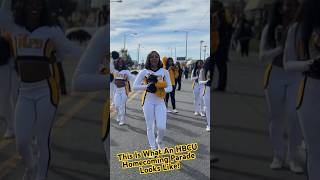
{"points": [[221, 55], [178, 79]]}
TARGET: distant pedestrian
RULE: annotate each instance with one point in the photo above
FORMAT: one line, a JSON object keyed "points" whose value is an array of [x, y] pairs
{"points": [[178, 79], [186, 72], [244, 34]]}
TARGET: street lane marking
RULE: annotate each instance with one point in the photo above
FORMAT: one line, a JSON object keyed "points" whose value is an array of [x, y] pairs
{"points": [[7, 166]]}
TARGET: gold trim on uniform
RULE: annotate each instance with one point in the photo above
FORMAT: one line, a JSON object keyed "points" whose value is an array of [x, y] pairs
{"points": [[127, 88], [105, 128], [266, 77], [55, 70], [49, 48], [301, 92], [143, 98], [54, 91]]}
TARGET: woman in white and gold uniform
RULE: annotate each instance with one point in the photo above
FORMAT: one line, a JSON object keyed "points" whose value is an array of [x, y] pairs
{"points": [[35, 44], [197, 89], [122, 76], [302, 54], [155, 82]]}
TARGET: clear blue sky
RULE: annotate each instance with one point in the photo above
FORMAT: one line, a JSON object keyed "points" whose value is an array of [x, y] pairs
{"points": [[155, 22]]}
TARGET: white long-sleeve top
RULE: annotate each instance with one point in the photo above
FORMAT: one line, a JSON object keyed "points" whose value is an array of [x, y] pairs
{"points": [[267, 54], [202, 79], [139, 84], [291, 57], [87, 76]]}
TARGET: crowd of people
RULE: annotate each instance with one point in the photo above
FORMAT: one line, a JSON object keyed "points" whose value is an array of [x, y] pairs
{"points": [[290, 45]]}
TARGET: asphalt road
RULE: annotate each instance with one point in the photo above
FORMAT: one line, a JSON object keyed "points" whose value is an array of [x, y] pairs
{"points": [[182, 128], [240, 137]]}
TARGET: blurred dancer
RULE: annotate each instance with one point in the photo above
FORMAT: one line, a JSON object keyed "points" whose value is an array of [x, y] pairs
{"points": [[8, 77], [37, 42], [222, 29], [281, 87], [302, 54], [88, 79], [205, 78]]}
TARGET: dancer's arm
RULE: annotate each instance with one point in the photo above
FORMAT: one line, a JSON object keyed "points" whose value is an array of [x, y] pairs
{"points": [[266, 54], [137, 85], [86, 76], [202, 78]]}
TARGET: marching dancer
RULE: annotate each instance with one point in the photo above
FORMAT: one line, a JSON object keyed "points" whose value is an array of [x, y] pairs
{"points": [[197, 89], [205, 78], [155, 82], [122, 76], [37, 43], [281, 87], [302, 54]]}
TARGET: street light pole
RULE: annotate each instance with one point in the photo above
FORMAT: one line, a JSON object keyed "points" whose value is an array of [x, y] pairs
{"points": [[186, 45], [205, 50], [201, 48], [186, 42], [175, 53], [138, 53], [124, 41], [125, 38]]}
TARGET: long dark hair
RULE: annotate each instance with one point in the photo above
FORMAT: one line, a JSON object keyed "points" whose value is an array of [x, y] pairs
{"points": [[275, 19], [19, 13], [148, 64], [309, 22], [117, 67], [167, 64], [195, 69]]}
